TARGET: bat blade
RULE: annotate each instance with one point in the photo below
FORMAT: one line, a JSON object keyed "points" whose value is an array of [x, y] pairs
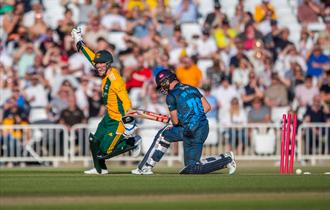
{"points": [[139, 113]]}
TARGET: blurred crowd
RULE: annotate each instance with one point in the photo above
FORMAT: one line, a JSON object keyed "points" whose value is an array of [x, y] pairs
{"points": [[246, 65]]}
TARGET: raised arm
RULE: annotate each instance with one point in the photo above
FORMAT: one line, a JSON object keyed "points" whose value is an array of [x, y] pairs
{"points": [[78, 40]]}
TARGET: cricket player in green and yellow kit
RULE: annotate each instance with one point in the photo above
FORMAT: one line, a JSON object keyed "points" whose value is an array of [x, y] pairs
{"points": [[115, 132]]}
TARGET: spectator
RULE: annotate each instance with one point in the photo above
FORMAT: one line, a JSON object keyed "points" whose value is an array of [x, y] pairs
{"points": [[64, 77], [317, 62], [31, 16], [281, 41], [308, 11], [224, 35], [136, 80], [259, 58], [325, 89], [324, 37], [276, 94], [14, 114], [186, 12], [174, 42], [241, 74], [140, 26], [86, 10], [12, 19], [251, 91], [214, 18], [250, 36], [262, 9], [24, 57], [39, 27], [216, 72], [189, 73], [37, 97], [315, 113], [259, 113], [265, 25], [66, 24], [72, 115], [6, 86], [239, 19], [20, 99], [95, 108], [160, 10], [139, 75], [234, 60], [114, 21], [286, 57], [292, 78], [206, 46], [305, 43], [236, 116], [151, 40], [58, 103], [269, 39], [225, 93], [305, 92], [94, 31], [166, 29], [82, 92]]}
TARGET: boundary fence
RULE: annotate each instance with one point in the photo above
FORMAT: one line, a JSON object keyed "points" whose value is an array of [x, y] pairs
{"points": [[55, 143]]}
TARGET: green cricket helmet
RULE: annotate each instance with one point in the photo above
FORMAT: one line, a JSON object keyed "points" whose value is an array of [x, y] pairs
{"points": [[103, 56]]}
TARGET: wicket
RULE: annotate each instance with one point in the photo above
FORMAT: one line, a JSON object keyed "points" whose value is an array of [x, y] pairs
{"points": [[288, 142]]}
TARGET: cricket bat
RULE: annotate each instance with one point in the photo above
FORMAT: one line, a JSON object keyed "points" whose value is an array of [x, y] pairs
{"points": [[140, 113]]}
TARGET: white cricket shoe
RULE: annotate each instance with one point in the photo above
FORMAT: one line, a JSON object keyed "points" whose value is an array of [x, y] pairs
{"points": [[94, 172], [137, 151], [232, 165], [144, 171]]}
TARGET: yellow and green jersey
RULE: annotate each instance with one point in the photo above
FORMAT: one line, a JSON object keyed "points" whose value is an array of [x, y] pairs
{"points": [[114, 93]]}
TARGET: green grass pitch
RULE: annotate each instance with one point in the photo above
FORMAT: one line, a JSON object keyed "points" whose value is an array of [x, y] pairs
{"points": [[249, 188]]}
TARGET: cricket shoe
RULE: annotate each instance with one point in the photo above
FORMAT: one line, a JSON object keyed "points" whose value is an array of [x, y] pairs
{"points": [[232, 165], [93, 171], [137, 146], [146, 170]]}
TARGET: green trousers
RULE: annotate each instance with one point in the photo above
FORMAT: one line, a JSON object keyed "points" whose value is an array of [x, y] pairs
{"points": [[107, 139]]}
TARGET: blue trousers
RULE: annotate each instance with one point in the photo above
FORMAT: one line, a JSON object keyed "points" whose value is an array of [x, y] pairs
{"points": [[192, 146]]}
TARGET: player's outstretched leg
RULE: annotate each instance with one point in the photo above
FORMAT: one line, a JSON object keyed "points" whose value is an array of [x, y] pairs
{"points": [[99, 165], [156, 151], [212, 164], [132, 144]]}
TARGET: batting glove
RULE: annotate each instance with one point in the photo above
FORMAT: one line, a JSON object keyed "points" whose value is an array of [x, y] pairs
{"points": [[130, 126], [76, 36]]}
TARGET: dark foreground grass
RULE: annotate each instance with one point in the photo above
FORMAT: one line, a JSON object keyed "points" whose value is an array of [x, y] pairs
{"points": [[260, 188]]}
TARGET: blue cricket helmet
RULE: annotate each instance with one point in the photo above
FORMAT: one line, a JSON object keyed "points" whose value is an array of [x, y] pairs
{"points": [[163, 80]]}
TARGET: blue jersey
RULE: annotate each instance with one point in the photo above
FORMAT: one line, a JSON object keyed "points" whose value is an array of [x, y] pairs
{"points": [[187, 101]]}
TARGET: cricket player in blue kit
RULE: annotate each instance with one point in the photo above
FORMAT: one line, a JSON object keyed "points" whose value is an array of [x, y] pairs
{"points": [[187, 110]]}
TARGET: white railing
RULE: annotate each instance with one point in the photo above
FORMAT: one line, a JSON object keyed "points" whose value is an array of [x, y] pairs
{"points": [[247, 141], [33, 143], [262, 141], [314, 141], [53, 143]]}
